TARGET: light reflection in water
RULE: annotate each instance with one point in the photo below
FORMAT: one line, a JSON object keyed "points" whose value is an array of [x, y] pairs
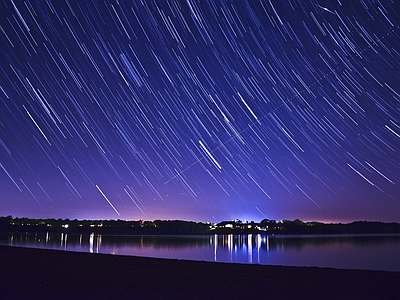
{"points": [[357, 252], [91, 238], [215, 246], [238, 245], [63, 240], [259, 240], [94, 240], [98, 243], [250, 248]]}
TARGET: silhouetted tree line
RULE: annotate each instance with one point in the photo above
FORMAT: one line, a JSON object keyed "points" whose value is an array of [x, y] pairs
{"points": [[299, 227], [120, 227], [179, 227]]}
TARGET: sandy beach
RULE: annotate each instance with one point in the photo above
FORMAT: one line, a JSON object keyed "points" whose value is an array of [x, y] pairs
{"points": [[51, 274]]}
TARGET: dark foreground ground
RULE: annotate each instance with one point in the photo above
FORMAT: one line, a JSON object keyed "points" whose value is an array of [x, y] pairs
{"points": [[49, 274]]}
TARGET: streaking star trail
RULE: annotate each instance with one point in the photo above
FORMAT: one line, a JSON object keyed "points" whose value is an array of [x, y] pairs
{"points": [[200, 110]]}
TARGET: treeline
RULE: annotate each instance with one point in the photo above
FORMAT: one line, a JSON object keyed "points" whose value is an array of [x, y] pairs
{"points": [[299, 227], [114, 227], [171, 227]]}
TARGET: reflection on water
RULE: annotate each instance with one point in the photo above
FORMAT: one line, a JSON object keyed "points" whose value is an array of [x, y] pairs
{"points": [[374, 252]]}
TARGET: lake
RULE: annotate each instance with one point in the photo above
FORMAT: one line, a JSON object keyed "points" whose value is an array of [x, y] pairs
{"points": [[370, 252]]}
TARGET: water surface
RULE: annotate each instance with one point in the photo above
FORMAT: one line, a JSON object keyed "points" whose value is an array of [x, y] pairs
{"points": [[371, 252]]}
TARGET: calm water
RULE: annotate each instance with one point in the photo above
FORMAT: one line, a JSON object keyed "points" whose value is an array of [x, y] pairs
{"points": [[372, 252]]}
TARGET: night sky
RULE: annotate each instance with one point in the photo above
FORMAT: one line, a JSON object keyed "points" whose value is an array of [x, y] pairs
{"points": [[200, 110]]}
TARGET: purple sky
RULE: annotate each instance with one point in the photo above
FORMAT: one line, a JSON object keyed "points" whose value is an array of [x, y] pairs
{"points": [[200, 110]]}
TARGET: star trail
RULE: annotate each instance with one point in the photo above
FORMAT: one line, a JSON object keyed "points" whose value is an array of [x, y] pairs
{"points": [[200, 110]]}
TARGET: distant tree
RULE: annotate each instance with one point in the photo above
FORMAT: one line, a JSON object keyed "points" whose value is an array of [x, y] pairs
{"points": [[5, 223]]}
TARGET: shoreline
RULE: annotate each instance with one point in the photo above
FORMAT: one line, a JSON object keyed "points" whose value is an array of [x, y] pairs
{"points": [[32, 273]]}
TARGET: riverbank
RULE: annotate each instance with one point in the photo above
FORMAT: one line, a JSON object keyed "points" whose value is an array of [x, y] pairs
{"points": [[49, 274]]}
